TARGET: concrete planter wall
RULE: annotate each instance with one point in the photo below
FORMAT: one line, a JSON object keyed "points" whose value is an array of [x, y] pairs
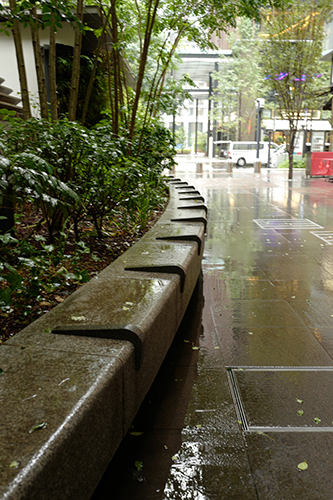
{"points": [[74, 379]]}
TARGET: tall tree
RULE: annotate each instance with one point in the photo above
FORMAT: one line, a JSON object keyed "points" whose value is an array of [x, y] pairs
{"points": [[38, 15], [76, 63], [16, 30], [239, 83], [101, 33], [34, 27], [147, 34], [291, 53], [52, 70], [150, 32]]}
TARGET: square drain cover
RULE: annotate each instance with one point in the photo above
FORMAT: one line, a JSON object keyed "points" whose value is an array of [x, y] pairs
{"points": [[295, 399], [286, 223]]}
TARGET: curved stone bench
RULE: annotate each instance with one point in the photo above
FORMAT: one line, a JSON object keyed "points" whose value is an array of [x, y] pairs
{"points": [[74, 379]]}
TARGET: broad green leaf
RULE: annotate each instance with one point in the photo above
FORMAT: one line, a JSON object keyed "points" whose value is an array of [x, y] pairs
{"points": [[15, 280], [27, 262], [138, 465], [84, 276], [10, 268], [38, 427], [6, 296], [302, 465], [48, 248]]}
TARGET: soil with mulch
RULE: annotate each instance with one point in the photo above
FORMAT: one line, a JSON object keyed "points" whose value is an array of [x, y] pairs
{"points": [[102, 252]]}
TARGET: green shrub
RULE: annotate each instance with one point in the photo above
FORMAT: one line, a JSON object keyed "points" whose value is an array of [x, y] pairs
{"points": [[69, 171], [71, 175], [297, 163]]}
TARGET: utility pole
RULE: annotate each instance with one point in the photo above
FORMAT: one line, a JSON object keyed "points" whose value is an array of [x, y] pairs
{"points": [[260, 103]]}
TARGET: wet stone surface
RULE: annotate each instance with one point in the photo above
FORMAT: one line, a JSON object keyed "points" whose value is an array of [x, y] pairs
{"points": [[265, 313], [283, 398]]}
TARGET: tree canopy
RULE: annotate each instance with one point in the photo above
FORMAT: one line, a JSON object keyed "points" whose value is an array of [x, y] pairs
{"points": [[291, 51], [138, 37], [239, 83]]}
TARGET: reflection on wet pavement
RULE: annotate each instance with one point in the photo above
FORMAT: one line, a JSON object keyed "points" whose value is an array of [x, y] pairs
{"points": [[266, 316]]}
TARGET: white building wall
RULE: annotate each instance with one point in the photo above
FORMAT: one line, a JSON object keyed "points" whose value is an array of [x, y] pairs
{"points": [[8, 62], [186, 117]]}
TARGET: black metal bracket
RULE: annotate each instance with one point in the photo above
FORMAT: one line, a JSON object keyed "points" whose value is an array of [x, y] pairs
{"points": [[184, 187], [162, 269], [130, 333], [187, 237]]}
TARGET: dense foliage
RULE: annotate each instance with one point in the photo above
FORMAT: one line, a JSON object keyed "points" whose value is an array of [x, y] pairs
{"points": [[136, 39], [74, 181], [291, 51], [99, 92], [239, 82], [297, 163]]}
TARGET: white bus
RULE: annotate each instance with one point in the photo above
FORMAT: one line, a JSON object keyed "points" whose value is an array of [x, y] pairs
{"points": [[245, 152]]}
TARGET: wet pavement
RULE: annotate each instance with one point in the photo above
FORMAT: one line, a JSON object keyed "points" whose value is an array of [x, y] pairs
{"points": [[245, 394]]}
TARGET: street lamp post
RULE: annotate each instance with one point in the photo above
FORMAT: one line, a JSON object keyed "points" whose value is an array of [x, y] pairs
{"points": [[260, 103], [268, 133]]}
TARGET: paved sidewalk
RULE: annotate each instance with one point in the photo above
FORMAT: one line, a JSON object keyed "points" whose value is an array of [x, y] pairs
{"points": [[246, 394]]}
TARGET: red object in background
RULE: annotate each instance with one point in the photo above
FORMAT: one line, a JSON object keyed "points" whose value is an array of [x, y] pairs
{"points": [[322, 164]]}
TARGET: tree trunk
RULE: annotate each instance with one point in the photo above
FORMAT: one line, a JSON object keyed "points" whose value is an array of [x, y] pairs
{"points": [[115, 58], [44, 112], [92, 76], [20, 63], [110, 83], [52, 73], [291, 163], [239, 115], [7, 210], [291, 146], [143, 60], [76, 65]]}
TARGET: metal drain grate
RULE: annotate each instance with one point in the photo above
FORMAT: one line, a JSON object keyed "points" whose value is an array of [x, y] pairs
{"points": [[240, 410], [286, 224], [241, 413], [326, 236]]}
